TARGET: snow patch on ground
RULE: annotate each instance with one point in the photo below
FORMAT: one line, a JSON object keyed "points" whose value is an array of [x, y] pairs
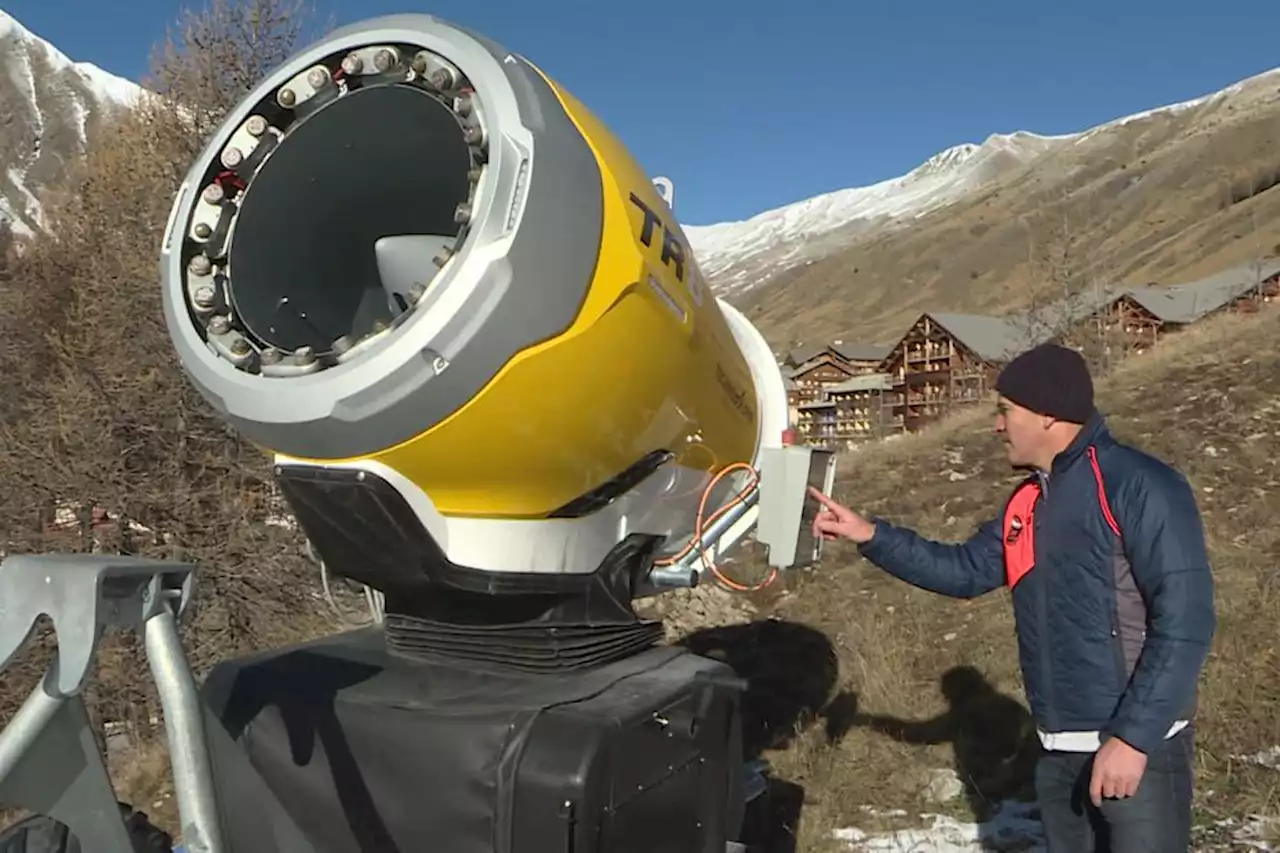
{"points": [[1269, 758], [1014, 827]]}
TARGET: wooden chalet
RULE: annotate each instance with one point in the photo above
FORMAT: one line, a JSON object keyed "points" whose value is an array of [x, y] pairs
{"points": [[949, 360], [793, 410], [816, 423], [861, 357], [1135, 320], [852, 412], [1263, 287], [816, 369], [863, 410], [1121, 327], [1269, 291], [811, 379], [840, 395]]}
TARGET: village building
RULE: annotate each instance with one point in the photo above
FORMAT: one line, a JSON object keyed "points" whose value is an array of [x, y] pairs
{"points": [[841, 395], [793, 405], [850, 413], [862, 408], [1138, 317], [815, 424], [860, 357], [816, 369], [946, 360]]}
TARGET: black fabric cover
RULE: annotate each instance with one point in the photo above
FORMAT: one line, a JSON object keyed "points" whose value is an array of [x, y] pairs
{"points": [[369, 751]]}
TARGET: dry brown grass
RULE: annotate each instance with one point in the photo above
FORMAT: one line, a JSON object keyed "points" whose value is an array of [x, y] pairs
{"points": [[1170, 198], [1209, 402]]}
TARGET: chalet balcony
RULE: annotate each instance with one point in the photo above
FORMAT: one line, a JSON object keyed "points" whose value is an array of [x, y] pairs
{"points": [[930, 352], [822, 423], [928, 365], [920, 377]]}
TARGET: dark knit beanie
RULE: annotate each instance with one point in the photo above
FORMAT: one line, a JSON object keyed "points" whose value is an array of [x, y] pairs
{"points": [[1049, 380]]}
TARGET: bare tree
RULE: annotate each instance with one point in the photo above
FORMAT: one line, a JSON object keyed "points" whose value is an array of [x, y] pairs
{"points": [[212, 58], [1068, 296], [100, 432]]}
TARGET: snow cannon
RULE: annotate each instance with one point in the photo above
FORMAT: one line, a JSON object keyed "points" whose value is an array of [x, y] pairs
{"points": [[471, 335], [467, 326]]}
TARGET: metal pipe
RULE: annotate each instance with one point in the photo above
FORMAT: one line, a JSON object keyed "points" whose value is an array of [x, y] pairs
{"points": [[673, 577], [719, 527], [36, 712], [184, 729], [685, 572]]}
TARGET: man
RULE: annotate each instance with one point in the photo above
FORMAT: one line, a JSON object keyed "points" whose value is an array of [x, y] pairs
{"points": [[1103, 549]]}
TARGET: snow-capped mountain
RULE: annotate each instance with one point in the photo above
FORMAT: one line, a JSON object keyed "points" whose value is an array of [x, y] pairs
{"points": [[735, 254], [48, 104], [738, 256]]}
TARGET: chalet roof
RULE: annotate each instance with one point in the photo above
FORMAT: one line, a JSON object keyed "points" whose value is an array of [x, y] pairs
{"points": [[863, 382], [863, 352], [848, 351], [999, 339], [810, 365], [800, 355], [991, 338], [1065, 312], [1188, 302], [804, 368]]}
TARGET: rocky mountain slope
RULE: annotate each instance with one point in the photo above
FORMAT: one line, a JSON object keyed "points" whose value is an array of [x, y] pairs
{"points": [[48, 108], [1171, 193], [737, 256], [1167, 194]]}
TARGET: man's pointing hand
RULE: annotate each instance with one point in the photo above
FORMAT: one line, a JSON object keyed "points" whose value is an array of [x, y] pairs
{"points": [[834, 521]]}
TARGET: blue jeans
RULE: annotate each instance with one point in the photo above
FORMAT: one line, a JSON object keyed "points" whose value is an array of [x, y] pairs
{"points": [[1156, 819]]}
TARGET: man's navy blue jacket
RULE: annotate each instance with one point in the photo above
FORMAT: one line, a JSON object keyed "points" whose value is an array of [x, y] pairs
{"points": [[1111, 587]]}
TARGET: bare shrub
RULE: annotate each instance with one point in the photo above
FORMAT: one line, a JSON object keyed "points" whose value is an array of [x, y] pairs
{"points": [[105, 445]]}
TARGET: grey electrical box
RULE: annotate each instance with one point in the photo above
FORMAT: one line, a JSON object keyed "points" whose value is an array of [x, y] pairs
{"points": [[786, 510]]}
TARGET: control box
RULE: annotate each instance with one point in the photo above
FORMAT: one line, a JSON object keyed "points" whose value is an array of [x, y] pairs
{"points": [[786, 509]]}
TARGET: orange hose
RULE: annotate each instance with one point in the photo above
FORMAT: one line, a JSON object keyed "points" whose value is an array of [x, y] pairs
{"points": [[701, 523]]}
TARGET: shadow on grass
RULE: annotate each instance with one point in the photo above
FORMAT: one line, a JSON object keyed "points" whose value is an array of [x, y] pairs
{"points": [[790, 670], [992, 736]]}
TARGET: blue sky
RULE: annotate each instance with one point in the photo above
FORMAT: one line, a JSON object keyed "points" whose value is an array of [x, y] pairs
{"points": [[749, 105]]}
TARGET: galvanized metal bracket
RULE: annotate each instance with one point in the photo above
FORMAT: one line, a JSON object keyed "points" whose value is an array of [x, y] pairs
{"points": [[84, 594], [50, 761]]}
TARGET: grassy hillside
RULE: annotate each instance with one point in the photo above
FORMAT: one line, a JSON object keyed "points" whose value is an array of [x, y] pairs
{"points": [[849, 637], [1169, 197], [845, 638]]}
